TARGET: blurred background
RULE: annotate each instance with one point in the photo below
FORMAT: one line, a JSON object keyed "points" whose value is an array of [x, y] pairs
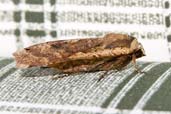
{"points": [[27, 22]]}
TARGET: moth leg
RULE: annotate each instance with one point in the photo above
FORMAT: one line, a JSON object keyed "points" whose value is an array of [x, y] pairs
{"points": [[44, 67], [61, 75], [103, 75], [137, 69]]}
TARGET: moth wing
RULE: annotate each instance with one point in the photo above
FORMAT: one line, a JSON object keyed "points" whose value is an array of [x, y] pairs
{"points": [[53, 52], [113, 45]]}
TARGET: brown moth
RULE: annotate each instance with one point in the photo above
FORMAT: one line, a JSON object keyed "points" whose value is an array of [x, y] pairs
{"points": [[113, 51]]}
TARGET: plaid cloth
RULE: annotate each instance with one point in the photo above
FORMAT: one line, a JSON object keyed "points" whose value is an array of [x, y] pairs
{"points": [[33, 91], [26, 22]]}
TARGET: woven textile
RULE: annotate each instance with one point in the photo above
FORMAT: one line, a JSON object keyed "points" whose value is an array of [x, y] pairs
{"points": [[33, 91], [26, 22]]}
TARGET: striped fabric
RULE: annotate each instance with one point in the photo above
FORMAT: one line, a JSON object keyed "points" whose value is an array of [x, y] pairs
{"points": [[33, 91]]}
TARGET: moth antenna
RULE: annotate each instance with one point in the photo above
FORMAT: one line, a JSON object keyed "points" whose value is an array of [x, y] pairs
{"points": [[102, 76]]}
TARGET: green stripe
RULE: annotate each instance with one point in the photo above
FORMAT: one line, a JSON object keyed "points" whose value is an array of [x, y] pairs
{"points": [[132, 97], [5, 62], [52, 2], [116, 90], [35, 33], [8, 67], [161, 100], [37, 17], [16, 2], [17, 16], [34, 2], [9, 72], [53, 17]]}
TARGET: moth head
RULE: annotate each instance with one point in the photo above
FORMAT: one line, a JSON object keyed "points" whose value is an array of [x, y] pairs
{"points": [[137, 47], [139, 52], [141, 49]]}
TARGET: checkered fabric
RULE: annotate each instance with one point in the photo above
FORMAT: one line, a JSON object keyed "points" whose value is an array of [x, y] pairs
{"points": [[25, 22], [36, 20]]}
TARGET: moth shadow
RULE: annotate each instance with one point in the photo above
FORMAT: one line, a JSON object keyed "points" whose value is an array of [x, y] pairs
{"points": [[39, 72]]}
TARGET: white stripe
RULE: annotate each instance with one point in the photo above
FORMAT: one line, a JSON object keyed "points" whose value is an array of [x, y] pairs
{"points": [[6, 68], [78, 108], [7, 6], [1, 59], [117, 81], [47, 21], [23, 7], [130, 10], [8, 25], [154, 88], [129, 85], [12, 77], [72, 7], [69, 7], [16, 112], [113, 27], [22, 24], [82, 26]]}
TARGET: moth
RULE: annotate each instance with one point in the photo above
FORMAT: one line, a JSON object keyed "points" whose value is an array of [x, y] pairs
{"points": [[111, 52]]}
